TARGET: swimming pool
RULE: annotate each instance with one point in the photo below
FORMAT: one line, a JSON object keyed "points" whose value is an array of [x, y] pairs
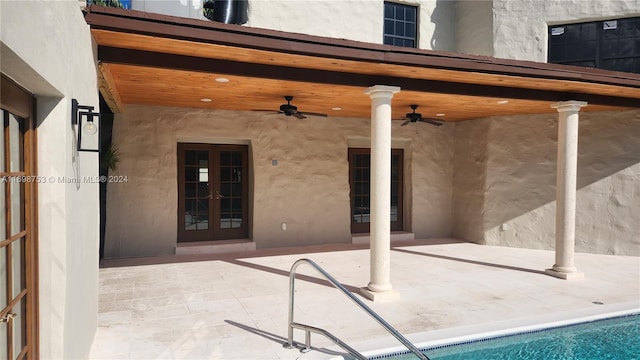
{"points": [[614, 339]]}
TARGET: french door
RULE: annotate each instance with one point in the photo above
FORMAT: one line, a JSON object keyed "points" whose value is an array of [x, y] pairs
{"points": [[213, 187], [360, 183], [18, 266]]}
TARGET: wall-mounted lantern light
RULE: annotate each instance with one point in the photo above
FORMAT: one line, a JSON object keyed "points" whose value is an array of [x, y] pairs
{"points": [[90, 127]]}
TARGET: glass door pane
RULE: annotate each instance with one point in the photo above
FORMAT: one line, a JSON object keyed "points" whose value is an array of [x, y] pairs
{"points": [[3, 279], [4, 336], [362, 188], [17, 266], [3, 212], [15, 140], [17, 207], [19, 322], [230, 194], [395, 182], [196, 185]]}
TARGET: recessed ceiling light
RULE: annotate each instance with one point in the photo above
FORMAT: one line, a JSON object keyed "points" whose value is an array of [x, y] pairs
{"points": [[441, 114], [222, 80], [337, 108], [502, 102], [206, 100]]}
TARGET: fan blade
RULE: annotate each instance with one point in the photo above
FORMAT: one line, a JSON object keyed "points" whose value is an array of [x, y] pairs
{"points": [[299, 115], [313, 114], [268, 110], [436, 122], [406, 122]]}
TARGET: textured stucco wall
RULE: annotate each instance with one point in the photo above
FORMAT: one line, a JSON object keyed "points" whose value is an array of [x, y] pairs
{"points": [[182, 8], [360, 20], [469, 172], [474, 27], [526, 22], [490, 187], [518, 29], [308, 189], [47, 49], [501, 28], [517, 157]]}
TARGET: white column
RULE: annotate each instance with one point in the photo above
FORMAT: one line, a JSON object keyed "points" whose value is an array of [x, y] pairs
{"points": [[380, 232], [566, 189]]}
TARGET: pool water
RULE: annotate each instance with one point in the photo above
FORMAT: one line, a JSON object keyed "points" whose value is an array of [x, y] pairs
{"points": [[612, 339]]}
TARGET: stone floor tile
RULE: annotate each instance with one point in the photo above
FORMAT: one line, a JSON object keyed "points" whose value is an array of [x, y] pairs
{"points": [[237, 307]]}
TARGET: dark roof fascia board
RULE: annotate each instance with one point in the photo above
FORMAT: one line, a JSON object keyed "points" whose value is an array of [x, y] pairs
{"points": [[121, 56], [130, 21]]}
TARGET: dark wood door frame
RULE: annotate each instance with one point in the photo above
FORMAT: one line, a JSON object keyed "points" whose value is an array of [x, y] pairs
{"points": [[215, 194], [21, 104]]}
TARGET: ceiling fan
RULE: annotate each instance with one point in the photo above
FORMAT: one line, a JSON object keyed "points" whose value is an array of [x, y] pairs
{"points": [[417, 117], [291, 110]]}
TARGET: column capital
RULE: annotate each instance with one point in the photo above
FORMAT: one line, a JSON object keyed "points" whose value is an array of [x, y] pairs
{"points": [[386, 91], [571, 105]]}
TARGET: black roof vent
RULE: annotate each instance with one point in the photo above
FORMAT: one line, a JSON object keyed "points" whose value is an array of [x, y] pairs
{"points": [[226, 11]]}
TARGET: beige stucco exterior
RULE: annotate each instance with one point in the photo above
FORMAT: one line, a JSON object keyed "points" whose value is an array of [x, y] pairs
{"points": [[308, 189], [518, 29], [505, 182], [47, 49], [500, 28], [360, 20], [488, 180], [513, 182]]}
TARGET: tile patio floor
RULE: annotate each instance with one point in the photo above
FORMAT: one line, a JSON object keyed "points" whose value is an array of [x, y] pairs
{"points": [[235, 306]]}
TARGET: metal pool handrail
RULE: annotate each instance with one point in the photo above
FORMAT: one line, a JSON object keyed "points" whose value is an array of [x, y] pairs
{"points": [[308, 329]]}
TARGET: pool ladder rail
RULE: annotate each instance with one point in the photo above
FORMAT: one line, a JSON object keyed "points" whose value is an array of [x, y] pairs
{"points": [[309, 329]]}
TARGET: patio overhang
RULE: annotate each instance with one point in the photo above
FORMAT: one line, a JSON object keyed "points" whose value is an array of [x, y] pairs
{"points": [[162, 60]]}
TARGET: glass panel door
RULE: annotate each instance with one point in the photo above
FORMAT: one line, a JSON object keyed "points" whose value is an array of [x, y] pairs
{"points": [[18, 256], [360, 182], [13, 238], [212, 192]]}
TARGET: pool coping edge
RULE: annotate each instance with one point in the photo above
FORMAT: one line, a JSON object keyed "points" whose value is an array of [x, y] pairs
{"points": [[476, 332]]}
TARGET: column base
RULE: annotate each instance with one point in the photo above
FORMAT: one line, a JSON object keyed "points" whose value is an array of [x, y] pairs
{"points": [[389, 295], [564, 275]]}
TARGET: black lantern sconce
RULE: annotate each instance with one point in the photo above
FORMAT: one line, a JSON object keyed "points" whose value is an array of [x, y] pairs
{"points": [[90, 128]]}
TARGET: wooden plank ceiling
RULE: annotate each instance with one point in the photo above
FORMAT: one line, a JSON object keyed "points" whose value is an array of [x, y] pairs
{"points": [[157, 60]]}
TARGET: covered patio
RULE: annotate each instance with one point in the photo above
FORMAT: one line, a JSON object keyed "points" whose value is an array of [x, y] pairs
{"points": [[234, 306], [174, 78]]}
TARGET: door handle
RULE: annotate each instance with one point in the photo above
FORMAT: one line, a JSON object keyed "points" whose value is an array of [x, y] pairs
{"points": [[7, 317], [217, 195]]}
